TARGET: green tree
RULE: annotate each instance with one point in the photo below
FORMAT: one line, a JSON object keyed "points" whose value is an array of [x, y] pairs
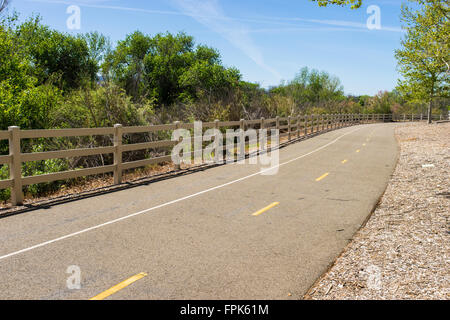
{"points": [[170, 57], [55, 55], [169, 69], [355, 4], [24, 101], [99, 46], [313, 88], [424, 57], [125, 65]]}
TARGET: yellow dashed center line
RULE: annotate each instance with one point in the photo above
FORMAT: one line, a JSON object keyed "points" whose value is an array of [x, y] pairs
{"points": [[357, 151], [322, 177], [266, 209], [344, 161], [119, 287], [364, 144]]}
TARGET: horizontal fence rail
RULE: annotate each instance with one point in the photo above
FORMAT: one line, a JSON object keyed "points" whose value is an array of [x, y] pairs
{"points": [[292, 127]]}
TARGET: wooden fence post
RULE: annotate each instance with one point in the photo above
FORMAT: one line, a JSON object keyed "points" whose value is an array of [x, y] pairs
{"points": [[298, 126], [262, 127], [178, 165], [15, 169], [217, 128], [289, 128], [277, 123], [241, 150], [242, 124], [118, 137], [306, 125], [216, 124]]}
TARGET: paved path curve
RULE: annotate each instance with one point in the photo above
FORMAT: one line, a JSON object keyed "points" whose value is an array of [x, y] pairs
{"points": [[223, 233]]}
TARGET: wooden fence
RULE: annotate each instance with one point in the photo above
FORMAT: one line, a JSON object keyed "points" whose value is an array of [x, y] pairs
{"points": [[293, 127]]}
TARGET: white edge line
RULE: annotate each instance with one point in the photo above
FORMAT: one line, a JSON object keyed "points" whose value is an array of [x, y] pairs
{"points": [[171, 202]]}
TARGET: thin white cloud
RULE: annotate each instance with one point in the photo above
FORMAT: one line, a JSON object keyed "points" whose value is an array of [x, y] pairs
{"points": [[97, 4], [343, 23], [210, 14], [304, 30], [282, 21]]}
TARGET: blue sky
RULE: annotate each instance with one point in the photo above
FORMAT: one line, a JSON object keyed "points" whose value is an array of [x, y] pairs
{"points": [[268, 41]]}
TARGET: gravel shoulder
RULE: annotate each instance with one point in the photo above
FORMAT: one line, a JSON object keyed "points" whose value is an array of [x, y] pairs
{"points": [[403, 250]]}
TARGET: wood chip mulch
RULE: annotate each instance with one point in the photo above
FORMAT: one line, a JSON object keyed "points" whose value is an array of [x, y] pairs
{"points": [[402, 253]]}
